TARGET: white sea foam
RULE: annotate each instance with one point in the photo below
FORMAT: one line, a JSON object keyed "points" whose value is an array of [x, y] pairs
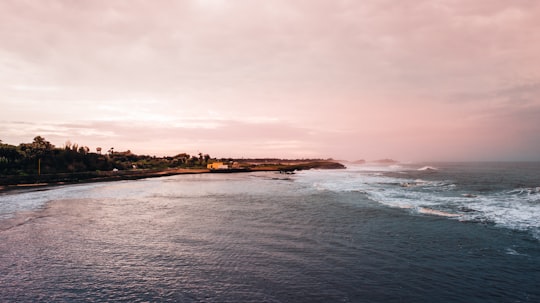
{"points": [[513, 252], [427, 168], [516, 209], [430, 211]]}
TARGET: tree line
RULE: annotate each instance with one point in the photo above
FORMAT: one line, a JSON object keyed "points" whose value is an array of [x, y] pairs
{"points": [[42, 157]]}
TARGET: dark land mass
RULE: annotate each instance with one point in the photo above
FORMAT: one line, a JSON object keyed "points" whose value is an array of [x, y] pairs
{"points": [[16, 181], [41, 164]]}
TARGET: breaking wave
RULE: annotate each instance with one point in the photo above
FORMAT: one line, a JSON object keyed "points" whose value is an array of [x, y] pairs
{"points": [[514, 208], [426, 168]]}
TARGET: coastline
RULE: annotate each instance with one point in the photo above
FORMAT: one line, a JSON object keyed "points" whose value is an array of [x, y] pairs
{"points": [[64, 179], [31, 182]]}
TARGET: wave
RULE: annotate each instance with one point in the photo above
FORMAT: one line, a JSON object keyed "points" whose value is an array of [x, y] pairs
{"points": [[513, 210], [516, 209], [14, 202], [430, 211], [513, 252], [427, 168], [533, 192], [19, 220]]}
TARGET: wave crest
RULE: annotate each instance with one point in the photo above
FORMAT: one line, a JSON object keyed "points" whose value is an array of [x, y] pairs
{"points": [[427, 168]]}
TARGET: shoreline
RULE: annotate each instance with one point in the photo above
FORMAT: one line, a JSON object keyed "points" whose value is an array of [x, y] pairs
{"points": [[109, 176], [92, 177]]}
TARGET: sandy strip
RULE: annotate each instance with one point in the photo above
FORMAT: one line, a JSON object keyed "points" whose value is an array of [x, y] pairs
{"points": [[132, 175]]}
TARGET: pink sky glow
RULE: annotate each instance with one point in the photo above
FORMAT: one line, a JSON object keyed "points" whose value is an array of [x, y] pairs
{"points": [[410, 80]]}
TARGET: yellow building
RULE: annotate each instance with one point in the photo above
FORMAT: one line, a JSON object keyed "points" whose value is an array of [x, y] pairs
{"points": [[217, 165]]}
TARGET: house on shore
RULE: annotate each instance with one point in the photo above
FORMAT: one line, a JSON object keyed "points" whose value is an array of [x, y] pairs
{"points": [[217, 165]]}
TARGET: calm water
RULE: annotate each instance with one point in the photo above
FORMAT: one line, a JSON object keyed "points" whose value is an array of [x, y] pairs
{"points": [[410, 233]]}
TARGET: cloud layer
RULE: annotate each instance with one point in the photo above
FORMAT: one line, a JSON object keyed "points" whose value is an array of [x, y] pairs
{"points": [[413, 80]]}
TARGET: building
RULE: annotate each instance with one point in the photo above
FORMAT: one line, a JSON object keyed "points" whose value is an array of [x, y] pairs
{"points": [[217, 165]]}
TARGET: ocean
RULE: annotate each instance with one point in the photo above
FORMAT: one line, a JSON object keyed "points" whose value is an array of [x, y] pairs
{"points": [[424, 232]]}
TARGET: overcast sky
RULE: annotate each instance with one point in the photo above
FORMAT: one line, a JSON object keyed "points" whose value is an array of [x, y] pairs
{"points": [[410, 80]]}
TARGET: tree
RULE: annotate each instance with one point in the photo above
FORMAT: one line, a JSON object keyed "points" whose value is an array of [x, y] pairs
{"points": [[200, 157], [193, 161], [42, 144], [9, 153], [83, 150], [37, 148]]}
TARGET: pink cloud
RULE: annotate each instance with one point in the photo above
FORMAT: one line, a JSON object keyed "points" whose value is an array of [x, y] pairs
{"points": [[420, 79]]}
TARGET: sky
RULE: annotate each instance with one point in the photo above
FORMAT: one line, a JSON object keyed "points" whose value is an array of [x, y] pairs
{"points": [[418, 80]]}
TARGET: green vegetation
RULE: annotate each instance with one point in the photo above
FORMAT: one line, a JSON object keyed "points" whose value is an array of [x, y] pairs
{"points": [[42, 162], [41, 157]]}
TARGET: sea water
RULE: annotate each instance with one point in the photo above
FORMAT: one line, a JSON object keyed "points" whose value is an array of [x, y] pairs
{"points": [[437, 232]]}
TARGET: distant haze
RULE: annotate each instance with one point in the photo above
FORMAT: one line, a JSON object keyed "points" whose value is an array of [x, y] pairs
{"points": [[408, 80]]}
